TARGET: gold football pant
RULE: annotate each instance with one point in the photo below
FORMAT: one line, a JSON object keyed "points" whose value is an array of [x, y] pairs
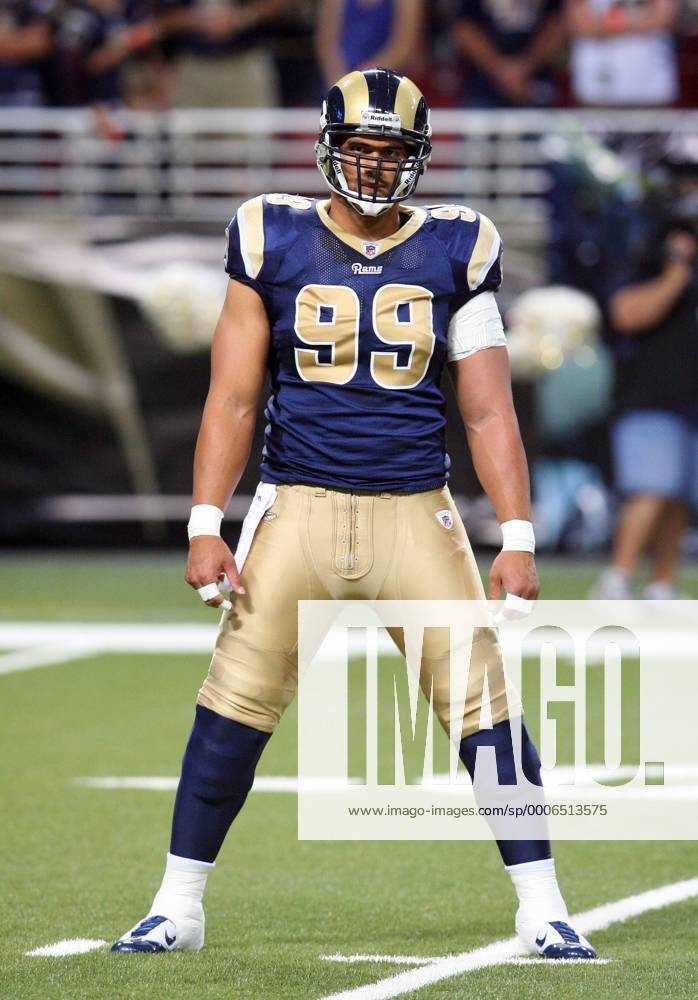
{"points": [[321, 544]]}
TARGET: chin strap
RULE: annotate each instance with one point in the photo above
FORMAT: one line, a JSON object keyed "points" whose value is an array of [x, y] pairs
{"points": [[365, 208]]}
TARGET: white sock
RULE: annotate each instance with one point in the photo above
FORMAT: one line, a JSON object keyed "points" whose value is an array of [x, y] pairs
{"points": [[182, 888], [540, 899]]}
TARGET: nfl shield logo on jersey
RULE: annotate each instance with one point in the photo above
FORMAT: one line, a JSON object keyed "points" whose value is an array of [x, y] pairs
{"points": [[445, 518], [370, 249]]}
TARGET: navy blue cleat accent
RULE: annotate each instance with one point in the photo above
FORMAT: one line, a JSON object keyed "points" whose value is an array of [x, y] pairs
{"points": [[153, 934], [558, 940]]}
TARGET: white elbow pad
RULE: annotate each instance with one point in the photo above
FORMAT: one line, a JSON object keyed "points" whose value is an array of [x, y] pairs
{"points": [[474, 327]]}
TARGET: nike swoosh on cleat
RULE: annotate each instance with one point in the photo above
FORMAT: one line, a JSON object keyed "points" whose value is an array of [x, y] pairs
{"points": [[170, 940], [135, 947], [541, 941]]}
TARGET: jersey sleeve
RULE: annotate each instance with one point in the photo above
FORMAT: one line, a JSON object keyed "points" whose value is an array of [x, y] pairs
{"points": [[484, 266], [474, 249], [245, 246]]}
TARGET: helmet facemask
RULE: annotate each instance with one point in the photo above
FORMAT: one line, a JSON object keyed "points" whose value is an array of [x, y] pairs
{"points": [[392, 179]]}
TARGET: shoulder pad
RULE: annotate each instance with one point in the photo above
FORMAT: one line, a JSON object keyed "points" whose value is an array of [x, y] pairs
{"points": [[261, 227], [245, 238], [472, 241]]}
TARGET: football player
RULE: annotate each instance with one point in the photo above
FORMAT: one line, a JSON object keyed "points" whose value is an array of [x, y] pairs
{"points": [[355, 305]]}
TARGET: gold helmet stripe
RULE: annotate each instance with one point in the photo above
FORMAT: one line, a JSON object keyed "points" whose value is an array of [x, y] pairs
{"points": [[355, 92], [407, 101], [250, 218]]}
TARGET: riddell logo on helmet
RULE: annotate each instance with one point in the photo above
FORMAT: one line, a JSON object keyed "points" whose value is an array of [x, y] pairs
{"points": [[380, 119]]}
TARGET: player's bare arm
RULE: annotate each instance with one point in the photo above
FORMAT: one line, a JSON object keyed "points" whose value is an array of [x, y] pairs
{"points": [[238, 363], [483, 390]]}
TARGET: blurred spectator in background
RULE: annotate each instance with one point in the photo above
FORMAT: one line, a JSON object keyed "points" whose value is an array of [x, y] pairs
{"points": [[356, 34], [227, 61], [293, 47], [509, 47], [25, 44], [623, 52], [654, 314], [95, 40]]}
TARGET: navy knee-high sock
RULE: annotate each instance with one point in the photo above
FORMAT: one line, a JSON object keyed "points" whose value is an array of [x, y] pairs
{"points": [[217, 773], [514, 852]]}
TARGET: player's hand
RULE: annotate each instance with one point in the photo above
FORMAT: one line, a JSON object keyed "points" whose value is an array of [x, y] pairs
{"points": [[516, 573], [210, 561]]}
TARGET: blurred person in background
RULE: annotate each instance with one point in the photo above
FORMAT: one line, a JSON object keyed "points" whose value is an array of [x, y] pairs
{"points": [[25, 45], [654, 315], [623, 52], [226, 59], [509, 47], [95, 41], [357, 34], [293, 47]]}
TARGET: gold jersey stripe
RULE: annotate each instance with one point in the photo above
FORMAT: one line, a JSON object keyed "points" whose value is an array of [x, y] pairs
{"points": [[484, 253], [251, 226], [417, 217]]}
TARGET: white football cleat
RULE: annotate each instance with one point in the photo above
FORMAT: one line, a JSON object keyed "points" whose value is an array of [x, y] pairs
{"points": [[156, 933], [559, 940]]}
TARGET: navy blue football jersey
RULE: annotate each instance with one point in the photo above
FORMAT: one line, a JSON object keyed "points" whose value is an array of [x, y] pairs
{"points": [[359, 337]]}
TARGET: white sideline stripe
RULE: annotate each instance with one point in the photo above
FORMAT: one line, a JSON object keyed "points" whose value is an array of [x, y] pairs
{"points": [[71, 946], [290, 784], [262, 783], [44, 656], [130, 637], [126, 637], [499, 952]]}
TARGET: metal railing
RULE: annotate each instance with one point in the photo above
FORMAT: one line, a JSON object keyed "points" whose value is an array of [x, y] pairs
{"points": [[199, 164]]}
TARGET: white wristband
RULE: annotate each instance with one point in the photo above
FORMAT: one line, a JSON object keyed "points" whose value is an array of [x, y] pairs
{"points": [[517, 536], [205, 519]]}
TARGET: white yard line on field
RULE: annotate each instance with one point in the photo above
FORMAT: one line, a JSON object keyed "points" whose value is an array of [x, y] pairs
{"points": [[422, 960], [434, 970], [71, 946], [390, 959], [500, 952], [44, 656]]}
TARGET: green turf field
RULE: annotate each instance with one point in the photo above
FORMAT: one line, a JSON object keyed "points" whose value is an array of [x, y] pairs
{"points": [[79, 862]]}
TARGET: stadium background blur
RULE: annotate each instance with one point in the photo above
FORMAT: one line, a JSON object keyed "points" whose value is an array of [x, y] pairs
{"points": [[131, 131], [129, 135]]}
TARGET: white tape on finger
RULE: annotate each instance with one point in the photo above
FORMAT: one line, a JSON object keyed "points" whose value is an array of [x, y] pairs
{"points": [[519, 606], [514, 609], [208, 592]]}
